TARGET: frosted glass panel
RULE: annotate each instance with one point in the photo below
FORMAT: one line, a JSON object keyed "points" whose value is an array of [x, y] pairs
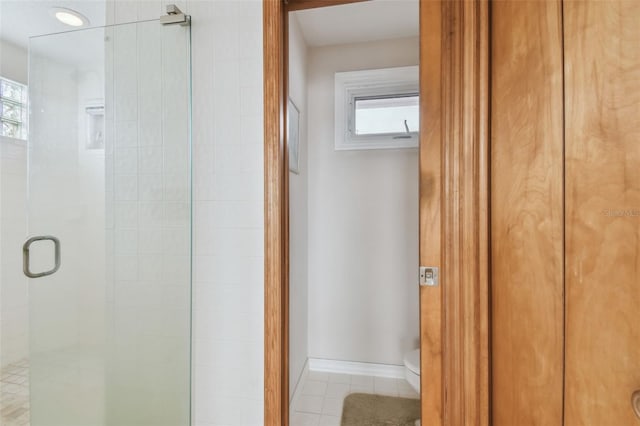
{"points": [[109, 176]]}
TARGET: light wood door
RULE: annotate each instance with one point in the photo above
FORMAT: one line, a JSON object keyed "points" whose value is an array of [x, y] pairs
{"points": [[454, 84], [565, 212], [602, 137], [526, 213]]}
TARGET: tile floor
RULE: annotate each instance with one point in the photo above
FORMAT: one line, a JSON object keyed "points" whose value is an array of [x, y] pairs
{"points": [[319, 401], [14, 394]]}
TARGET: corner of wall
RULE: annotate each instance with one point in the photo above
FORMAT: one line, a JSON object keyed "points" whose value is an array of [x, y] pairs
{"points": [[298, 205]]}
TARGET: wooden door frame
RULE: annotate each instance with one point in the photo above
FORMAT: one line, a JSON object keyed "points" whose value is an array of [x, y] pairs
{"points": [[454, 213]]}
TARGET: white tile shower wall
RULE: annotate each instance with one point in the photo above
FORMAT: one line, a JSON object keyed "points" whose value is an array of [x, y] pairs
{"points": [[13, 60], [90, 184], [66, 184], [228, 203], [13, 225], [148, 163], [14, 304]]}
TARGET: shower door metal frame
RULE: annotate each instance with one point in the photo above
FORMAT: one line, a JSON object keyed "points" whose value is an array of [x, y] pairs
{"points": [[454, 208]]}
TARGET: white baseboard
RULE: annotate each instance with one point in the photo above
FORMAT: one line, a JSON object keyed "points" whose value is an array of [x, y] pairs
{"points": [[356, 368]]}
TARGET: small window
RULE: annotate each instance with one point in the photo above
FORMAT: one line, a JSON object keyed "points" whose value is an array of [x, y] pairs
{"points": [[386, 115], [377, 109], [13, 109]]}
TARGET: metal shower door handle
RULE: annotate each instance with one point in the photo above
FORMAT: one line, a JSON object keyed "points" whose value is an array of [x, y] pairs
{"points": [[25, 256]]}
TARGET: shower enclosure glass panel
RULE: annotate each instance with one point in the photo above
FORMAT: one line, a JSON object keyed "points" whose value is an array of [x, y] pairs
{"points": [[110, 179]]}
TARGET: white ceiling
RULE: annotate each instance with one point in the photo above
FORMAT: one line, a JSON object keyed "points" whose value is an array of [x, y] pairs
{"points": [[359, 22], [21, 19], [352, 23]]}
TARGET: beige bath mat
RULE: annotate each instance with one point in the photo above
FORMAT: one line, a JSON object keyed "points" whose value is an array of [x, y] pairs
{"points": [[362, 409]]}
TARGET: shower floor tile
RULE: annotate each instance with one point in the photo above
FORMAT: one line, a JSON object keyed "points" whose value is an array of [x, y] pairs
{"points": [[14, 394]]}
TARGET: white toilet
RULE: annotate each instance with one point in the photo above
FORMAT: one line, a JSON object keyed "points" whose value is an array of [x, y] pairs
{"points": [[412, 368], [412, 371]]}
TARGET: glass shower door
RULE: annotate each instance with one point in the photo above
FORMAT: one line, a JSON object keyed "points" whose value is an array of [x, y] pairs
{"points": [[109, 214]]}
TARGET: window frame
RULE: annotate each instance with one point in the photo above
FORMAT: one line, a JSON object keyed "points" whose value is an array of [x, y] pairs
{"points": [[24, 126], [353, 112], [372, 84]]}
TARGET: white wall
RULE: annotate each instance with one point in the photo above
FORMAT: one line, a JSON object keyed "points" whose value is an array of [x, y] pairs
{"points": [[148, 223], [363, 223], [13, 62], [14, 314], [298, 214], [228, 201]]}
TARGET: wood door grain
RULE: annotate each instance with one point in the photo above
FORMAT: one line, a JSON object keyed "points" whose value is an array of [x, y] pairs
{"points": [[431, 380], [276, 401], [602, 107], [527, 213], [454, 174], [464, 232]]}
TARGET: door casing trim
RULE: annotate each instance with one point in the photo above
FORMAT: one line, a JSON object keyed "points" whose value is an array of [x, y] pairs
{"points": [[454, 214]]}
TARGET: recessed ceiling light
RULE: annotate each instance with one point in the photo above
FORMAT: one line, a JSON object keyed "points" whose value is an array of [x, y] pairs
{"points": [[69, 17]]}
